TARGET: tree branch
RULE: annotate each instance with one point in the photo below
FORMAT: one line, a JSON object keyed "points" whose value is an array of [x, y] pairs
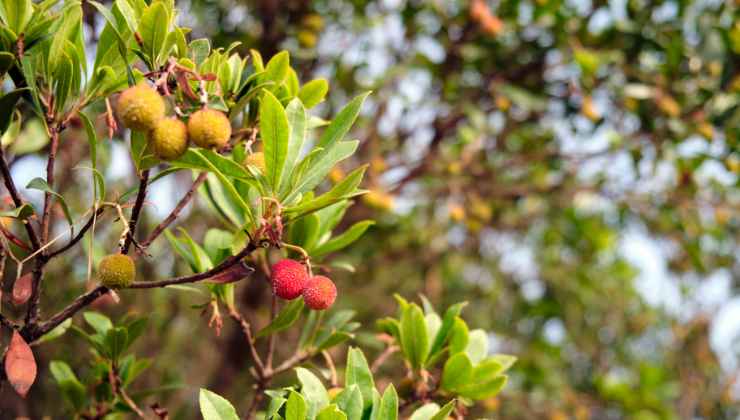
{"points": [[48, 198], [247, 330], [176, 211], [136, 212], [33, 332]]}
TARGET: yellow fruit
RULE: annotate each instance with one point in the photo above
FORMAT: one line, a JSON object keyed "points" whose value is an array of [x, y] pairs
{"points": [[257, 160], [313, 21], [140, 107], [307, 39], [588, 109], [209, 128], [380, 200], [336, 175], [457, 212], [169, 139], [116, 271]]}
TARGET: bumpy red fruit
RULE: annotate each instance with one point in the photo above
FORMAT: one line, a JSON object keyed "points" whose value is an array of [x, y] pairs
{"points": [[289, 278], [319, 293]]}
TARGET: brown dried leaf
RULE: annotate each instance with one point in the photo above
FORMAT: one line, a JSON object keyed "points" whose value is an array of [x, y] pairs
{"points": [[22, 289], [20, 366], [232, 274]]}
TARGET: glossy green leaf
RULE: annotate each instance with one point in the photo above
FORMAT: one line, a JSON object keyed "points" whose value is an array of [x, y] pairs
{"points": [[414, 336], [215, 407], [295, 407], [284, 319], [313, 390], [274, 131], [313, 92], [358, 373], [343, 121]]}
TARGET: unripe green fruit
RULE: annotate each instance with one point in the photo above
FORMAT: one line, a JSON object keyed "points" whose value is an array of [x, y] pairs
{"points": [[140, 107], [116, 271], [257, 160], [209, 128], [169, 139]]}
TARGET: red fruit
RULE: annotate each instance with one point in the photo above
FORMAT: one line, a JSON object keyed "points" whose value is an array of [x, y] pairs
{"points": [[319, 293], [289, 278]]}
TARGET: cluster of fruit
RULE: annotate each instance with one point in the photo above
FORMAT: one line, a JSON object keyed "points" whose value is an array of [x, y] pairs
{"points": [[290, 280], [142, 108]]}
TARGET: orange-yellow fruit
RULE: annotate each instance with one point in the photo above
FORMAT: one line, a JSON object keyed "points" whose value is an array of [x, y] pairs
{"points": [[289, 278], [116, 271], [378, 199], [169, 139], [140, 107], [320, 293], [257, 160], [209, 128]]}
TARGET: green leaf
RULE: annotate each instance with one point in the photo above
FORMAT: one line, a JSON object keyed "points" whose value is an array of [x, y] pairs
{"points": [[275, 132], [16, 14], [414, 336], [484, 389], [350, 402], [313, 390], [341, 124], [7, 106], [445, 411], [6, 62], [447, 323], [100, 323], [477, 348], [313, 92], [57, 332], [342, 241], [389, 404], [153, 28], [277, 68], [458, 336], [347, 188], [296, 115], [506, 361], [215, 407], [331, 412], [295, 407], [92, 140], [287, 317], [41, 185], [457, 372], [318, 164], [72, 389], [358, 373], [116, 342], [425, 412]]}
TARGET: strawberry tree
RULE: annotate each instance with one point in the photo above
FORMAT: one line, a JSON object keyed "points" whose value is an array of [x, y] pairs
{"points": [[243, 129]]}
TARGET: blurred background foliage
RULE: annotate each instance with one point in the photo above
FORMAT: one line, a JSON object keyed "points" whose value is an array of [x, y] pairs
{"points": [[570, 168]]}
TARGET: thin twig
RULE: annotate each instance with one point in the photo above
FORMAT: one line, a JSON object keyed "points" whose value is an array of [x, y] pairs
{"points": [[17, 200], [33, 332], [81, 234], [383, 357], [176, 211], [247, 330], [271, 341], [136, 211], [48, 197]]}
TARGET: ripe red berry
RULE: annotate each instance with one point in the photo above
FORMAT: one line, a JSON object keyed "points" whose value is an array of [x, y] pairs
{"points": [[289, 278], [319, 293]]}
